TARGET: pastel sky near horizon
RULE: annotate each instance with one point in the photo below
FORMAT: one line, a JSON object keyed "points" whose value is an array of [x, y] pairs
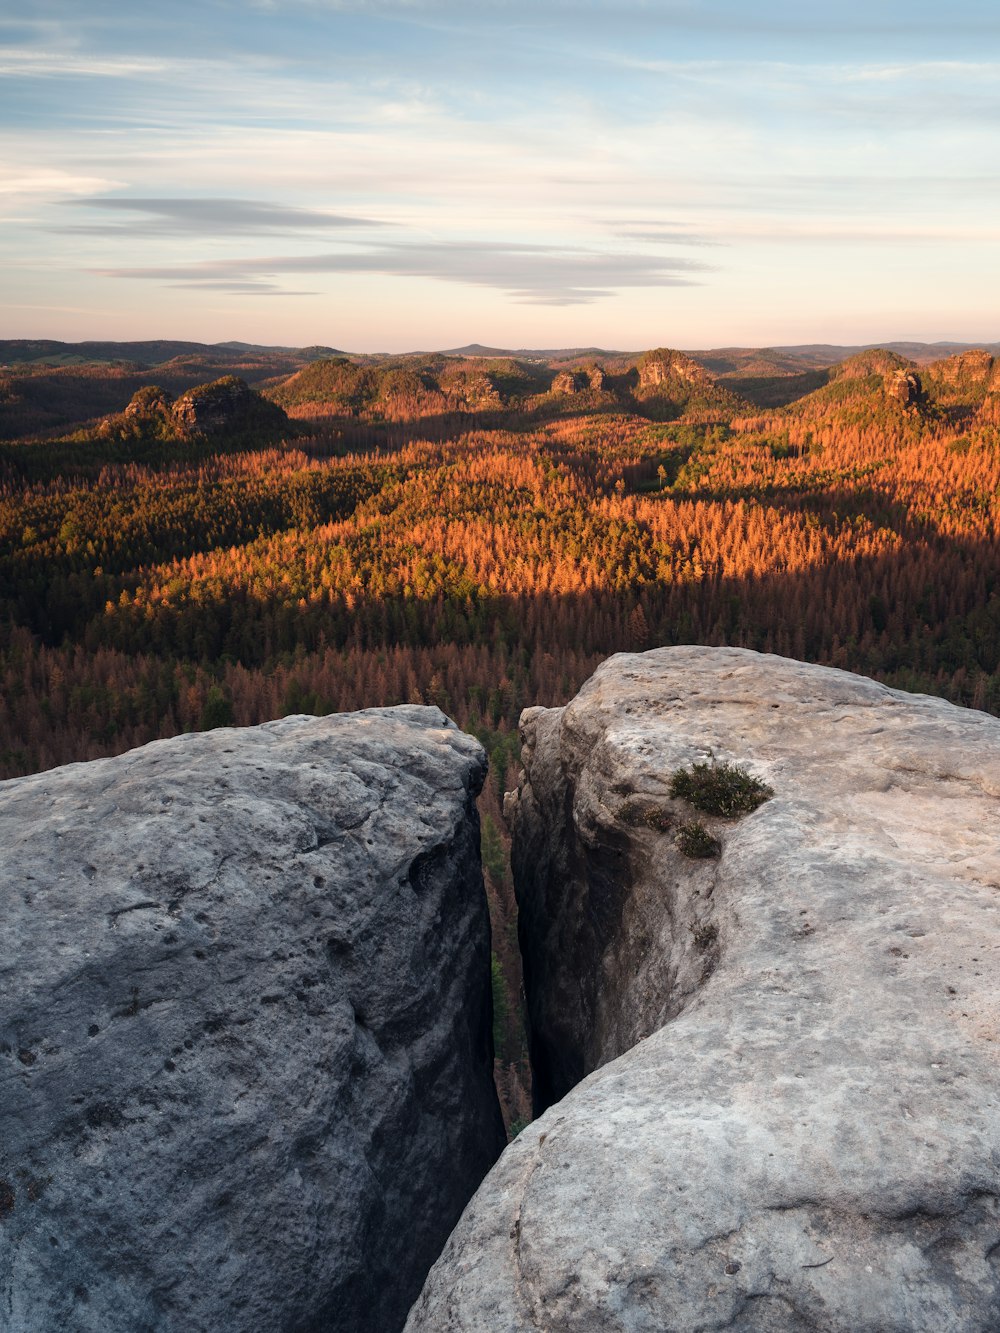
{"points": [[401, 174]]}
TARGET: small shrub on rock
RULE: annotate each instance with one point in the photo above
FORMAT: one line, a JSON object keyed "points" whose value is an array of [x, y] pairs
{"points": [[694, 840], [705, 934], [636, 811], [719, 789]]}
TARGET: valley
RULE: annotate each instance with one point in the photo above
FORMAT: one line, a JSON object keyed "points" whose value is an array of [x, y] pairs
{"points": [[478, 532]]}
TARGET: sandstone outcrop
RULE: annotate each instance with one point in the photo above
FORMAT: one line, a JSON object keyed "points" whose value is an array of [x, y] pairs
{"points": [[147, 403], [788, 1108], [664, 365], [245, 1045], [482, 391], [975, 367], [225, 407], [905, 386], [580, 380], [570, 381]]}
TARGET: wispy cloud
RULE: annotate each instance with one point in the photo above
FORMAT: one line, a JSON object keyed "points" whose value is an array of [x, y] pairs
{"points": [[657, 235], [44, 182], [241, 288], [208, 217], [40, 62], [859, 235], [535, 274]]}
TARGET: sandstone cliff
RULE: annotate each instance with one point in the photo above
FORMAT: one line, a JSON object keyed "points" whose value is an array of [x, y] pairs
{"points": [[245, 1053], [779, 1066], [224, 407]]}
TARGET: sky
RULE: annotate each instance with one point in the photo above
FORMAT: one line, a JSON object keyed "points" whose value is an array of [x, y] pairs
{"points": [[391, 175]]}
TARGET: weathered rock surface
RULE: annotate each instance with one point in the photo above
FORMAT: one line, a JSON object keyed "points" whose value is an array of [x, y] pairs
{"points": [[245, 1052], [801, 1129], [570, 381], [663, 365], [579, 380], [974, 367]]}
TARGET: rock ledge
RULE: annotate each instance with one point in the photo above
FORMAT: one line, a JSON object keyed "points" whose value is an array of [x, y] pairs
{"points": [[789, 1113]]}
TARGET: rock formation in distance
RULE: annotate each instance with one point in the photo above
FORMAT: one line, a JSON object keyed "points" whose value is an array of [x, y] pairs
{"points": [[227, 406]]}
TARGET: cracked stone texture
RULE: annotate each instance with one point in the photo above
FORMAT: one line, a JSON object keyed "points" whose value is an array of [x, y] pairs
{"points": [[245, 1029], [790, 1056]]}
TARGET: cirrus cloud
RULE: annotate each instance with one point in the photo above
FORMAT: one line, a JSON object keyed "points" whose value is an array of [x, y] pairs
{"points": [[530, 274], [206, 216]]}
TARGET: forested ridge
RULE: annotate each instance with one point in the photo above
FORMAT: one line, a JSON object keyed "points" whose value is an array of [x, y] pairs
{"points": [[479, 535]]}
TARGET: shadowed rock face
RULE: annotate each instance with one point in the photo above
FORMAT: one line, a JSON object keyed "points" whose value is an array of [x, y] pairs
{"points": [[148, 402], [225, 406], [789, 1109], [245, 1051]]}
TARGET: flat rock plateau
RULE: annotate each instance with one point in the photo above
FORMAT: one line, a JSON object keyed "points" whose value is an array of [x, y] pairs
{"points": [[245, 1050], [772, 1076]]}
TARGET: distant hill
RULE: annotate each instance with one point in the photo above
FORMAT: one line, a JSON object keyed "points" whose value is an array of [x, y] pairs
{"points": [[789, 359], [671, 384], [662, 385], [47, 386], [722, 362], [313, 352], [399, 386], [48, 352], [42, 351], [773, 377], [921, 353], [531, 354]]}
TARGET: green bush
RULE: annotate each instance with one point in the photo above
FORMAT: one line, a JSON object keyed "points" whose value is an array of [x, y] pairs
{"points": [[636, 811], [217, 710], [500, 1010], [492, 850], [694, 840], [719, 789]]}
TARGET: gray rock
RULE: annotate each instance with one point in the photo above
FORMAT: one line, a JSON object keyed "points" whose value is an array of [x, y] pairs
{"points": [[789, 1113], [245, 1051]]}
